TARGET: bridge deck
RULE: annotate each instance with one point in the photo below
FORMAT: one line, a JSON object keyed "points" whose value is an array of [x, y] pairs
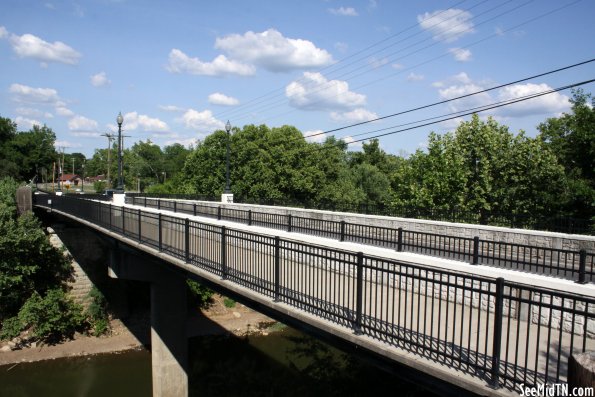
{"points": [[433, 314]]}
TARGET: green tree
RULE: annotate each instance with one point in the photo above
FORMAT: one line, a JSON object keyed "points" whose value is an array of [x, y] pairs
{"points": [[482, 168], [572, 138], [28, 263]]}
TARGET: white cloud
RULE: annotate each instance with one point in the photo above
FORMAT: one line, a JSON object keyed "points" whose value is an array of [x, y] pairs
{"points": [[66, 144], [26, 123], [462, 78], [3, 32], [461, 84], [449, 25], [415, 77], [453, 91], [85, 134], [30, 112], [217, 98], [461, 54], [82, 124], [220, 66], [377, 62], [203, 121], [133, 120], [171, 108], [273, 52], [30, 46], [100, 79], [314, 136], [187, 142], [397, 66], [314, 92], [25, 94], [64, 111], [546, 104], [372, 4], [349, 140], [354, 116], [344, 11]]}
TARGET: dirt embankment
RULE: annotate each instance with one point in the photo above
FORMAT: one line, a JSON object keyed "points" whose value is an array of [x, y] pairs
{"points": [[134, 333]]}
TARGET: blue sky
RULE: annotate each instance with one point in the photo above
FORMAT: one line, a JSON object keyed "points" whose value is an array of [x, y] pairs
{"points": [[178, 70]]}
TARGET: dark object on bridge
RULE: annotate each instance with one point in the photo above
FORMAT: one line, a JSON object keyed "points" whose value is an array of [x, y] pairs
{"points": [[24, 199], [109, 192], [581, 370]]}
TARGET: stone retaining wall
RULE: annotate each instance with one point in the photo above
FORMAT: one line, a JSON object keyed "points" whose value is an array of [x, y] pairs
{"points": [[81, 284]]}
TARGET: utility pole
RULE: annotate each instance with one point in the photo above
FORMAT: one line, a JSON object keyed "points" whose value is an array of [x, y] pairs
{"points": [[110, 138], [60, 165]]}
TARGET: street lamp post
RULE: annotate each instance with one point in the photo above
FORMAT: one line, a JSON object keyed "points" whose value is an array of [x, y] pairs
{"points": [[120, 120], [227, 188]]}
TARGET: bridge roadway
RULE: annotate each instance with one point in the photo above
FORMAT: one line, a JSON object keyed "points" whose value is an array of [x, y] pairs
{"points": [[434, 315]]}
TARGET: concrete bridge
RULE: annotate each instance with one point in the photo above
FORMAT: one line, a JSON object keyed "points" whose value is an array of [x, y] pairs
{"points": [[480, 328]]}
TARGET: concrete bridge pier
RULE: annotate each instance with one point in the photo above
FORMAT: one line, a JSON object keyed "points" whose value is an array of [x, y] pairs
{"points": [[169, 344]]}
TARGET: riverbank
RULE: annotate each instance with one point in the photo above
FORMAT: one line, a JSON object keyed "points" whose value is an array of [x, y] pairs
{"points": [[134, 333]]}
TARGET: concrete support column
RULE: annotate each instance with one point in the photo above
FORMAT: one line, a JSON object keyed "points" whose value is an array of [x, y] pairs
{"points": [[169, 345]]}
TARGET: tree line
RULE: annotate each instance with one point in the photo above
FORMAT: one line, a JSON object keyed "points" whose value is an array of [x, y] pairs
{"points": [[480, 168]]}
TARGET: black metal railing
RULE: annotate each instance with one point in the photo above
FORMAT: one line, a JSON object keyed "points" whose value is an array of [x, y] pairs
{"points": [[553, 223], [497, 330], [577, 265]]}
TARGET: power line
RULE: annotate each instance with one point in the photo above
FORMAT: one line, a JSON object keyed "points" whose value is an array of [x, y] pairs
{"points": [[447, 53], [456, 98], [466, 113]]}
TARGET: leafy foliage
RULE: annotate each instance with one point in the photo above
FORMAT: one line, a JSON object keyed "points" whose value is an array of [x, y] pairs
{"points": [[200, 295], [53, 316], [97, 312]]}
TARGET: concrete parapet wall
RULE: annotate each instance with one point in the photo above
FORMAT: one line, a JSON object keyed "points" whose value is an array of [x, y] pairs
{"points": [[572, 242]]}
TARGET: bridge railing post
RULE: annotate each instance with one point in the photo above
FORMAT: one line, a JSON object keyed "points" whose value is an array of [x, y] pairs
{"points": [[110, 216], [289, 222], [582, 267], [139, 225], [158, 204], [277, 267], [400, 239], [219, 213], [187, 240], [249, 217], [194, 209], [497, 341], [357, 326], [123, 223], [223, 253], [145, 202], [342, 238], [160, 232], [175, 206], [475, 250]]}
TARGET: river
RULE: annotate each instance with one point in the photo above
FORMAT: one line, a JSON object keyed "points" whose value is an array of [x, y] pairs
{"points": [[284, 363]]}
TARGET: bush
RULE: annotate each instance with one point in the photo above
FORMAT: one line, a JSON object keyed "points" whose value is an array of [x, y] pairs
{"points": [[11, 328], [53, 317], [200, 295], [229, 303], [97, 312], [99, 187]]}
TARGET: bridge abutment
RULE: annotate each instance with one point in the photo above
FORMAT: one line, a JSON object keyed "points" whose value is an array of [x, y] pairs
{"points": [[169, 344]]}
